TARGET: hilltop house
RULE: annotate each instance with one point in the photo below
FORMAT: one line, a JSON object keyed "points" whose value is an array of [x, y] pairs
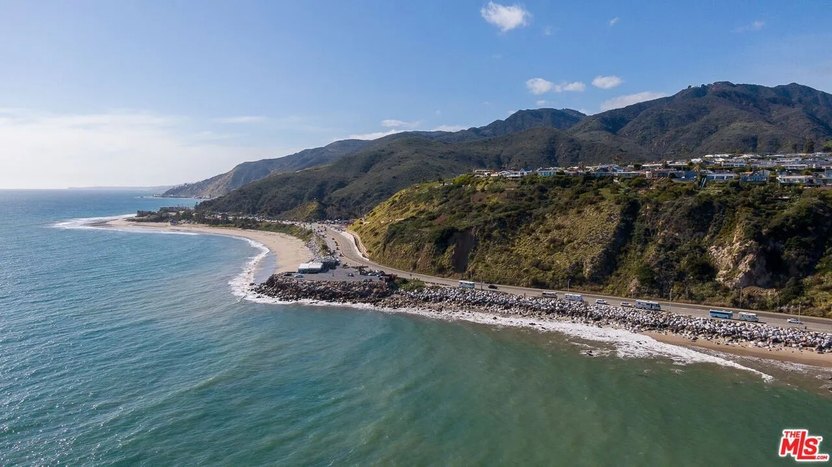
{"points": [[757, 176], [711, 176]]}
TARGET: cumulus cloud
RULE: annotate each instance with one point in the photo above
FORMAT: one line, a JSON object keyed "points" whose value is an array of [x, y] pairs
{"points": [[374, 134], [575, 86], [47, 150], [538, 86], [505, 17], [754, 26], [607, 82], [393, 123], [614, 21], [630, 99], [450, 128]]}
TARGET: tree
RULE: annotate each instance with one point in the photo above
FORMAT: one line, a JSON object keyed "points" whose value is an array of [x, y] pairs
{"points": [[809, 147]]}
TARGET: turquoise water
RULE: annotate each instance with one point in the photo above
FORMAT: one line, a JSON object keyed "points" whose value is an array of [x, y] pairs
{"points": [[130, 348]]}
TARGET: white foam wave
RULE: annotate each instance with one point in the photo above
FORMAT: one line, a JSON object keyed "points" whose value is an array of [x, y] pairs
{"points": [[88, 222], [626, 344], [96, 223], [240, 284]]}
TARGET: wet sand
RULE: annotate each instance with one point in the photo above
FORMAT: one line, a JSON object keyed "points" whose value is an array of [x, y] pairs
{"points": [[782, 354]]}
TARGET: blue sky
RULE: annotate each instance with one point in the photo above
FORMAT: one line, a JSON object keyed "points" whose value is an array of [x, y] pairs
{"points": [[162, 92]]}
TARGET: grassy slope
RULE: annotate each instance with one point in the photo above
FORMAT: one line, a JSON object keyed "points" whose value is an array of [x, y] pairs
{"points": [[636, 238]]}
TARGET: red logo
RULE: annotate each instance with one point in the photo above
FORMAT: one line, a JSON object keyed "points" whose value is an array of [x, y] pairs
{"points": [[799, 444]]}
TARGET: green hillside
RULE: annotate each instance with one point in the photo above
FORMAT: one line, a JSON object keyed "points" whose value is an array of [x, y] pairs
{"points": [[754, 246]]}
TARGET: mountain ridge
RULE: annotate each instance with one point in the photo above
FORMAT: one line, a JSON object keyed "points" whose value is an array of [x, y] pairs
{"points": [[720, 117]]}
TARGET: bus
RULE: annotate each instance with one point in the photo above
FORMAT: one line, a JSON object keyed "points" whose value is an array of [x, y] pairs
{"points": [[721, 314], [550, 294], [648, 305], [467, 285], [573, 297], [744, 316]]}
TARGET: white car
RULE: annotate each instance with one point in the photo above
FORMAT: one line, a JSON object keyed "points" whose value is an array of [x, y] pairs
{"points": [[626, 305], [794, 321], [601, 301]]}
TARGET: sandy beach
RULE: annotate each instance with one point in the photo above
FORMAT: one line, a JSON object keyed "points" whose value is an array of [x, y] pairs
{"points": [[288, 250], [782, 354]]}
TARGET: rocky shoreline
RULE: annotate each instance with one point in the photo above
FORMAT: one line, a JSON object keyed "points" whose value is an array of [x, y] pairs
{"points": [[447, 300]]}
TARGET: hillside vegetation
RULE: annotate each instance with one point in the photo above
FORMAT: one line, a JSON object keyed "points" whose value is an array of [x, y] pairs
{"points": [[761, 247], [721, 117]]}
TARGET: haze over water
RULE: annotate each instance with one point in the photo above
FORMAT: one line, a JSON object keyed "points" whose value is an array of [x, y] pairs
{"points": [[131, 347]]}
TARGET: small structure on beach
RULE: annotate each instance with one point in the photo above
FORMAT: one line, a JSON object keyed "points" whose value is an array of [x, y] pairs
{"points": [[312, 267]]}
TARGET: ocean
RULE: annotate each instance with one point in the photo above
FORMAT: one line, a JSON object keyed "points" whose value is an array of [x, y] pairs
{"points": [[138, 348]]}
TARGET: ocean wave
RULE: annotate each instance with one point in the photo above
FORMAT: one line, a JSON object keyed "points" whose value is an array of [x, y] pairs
{"points": [[94, 223], [626, 344], [240, 284], [88, 222]]}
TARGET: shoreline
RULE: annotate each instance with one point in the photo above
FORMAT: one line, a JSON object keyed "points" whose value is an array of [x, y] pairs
{"points": [[289, 251], [644, 333], [780, 354]]}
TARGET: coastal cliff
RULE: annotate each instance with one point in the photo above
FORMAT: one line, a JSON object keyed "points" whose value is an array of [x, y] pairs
{"points": [[762, 247]]}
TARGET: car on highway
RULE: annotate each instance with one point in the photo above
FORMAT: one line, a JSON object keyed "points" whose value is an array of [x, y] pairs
{"points": [[626, 305], [601, 301], [794, 321], [492, 286]]}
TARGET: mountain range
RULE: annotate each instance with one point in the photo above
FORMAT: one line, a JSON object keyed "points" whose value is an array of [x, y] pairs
{"points": [[348, 178]]}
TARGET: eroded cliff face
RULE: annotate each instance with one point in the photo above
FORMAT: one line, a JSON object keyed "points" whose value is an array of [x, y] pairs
{"points": [[740, 263]]}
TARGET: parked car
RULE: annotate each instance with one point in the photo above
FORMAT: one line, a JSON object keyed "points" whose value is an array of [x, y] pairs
{"points": [[601, 301], [626, 305]]}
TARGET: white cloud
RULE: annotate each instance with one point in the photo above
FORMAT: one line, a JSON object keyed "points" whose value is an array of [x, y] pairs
{"points": [[126, 148], [450, 128], [375, 134], [575, 86], [538, 86], [607, 82], [754, 26], [505, 17], [630, 99], [393, 123], [614, 21], [547, 31], [242, 119], [541, 102]]}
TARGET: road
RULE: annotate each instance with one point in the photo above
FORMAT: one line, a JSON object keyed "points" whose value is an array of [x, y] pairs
{"points": [[348, 246]]}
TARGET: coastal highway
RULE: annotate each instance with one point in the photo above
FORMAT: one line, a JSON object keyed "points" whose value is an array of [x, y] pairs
{"points": [[348, 245]]}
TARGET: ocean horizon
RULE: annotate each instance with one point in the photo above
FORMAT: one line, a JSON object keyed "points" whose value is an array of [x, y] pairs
{"points": [[136, 347]]}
